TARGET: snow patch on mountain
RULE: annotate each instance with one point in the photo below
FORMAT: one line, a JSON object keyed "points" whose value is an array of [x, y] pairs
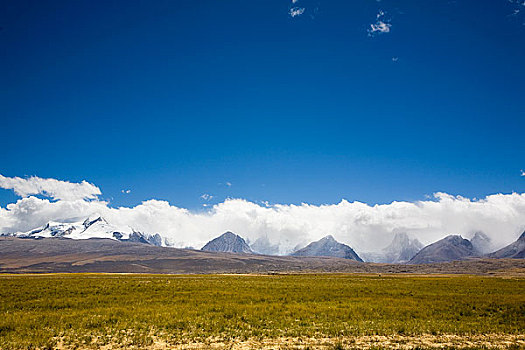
{"points": [[92, 227]]}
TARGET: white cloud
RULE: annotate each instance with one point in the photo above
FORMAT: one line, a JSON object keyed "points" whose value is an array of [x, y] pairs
{"points": [[206, 197], [295, 1], [364, 227], [55, 189], [522, 173], [229, 184], [395, 59], [296, 11], [126, 191], [382, 25]]}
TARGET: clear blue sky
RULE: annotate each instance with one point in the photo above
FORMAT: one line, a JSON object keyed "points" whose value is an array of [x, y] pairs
{"points": [[173, 99]]}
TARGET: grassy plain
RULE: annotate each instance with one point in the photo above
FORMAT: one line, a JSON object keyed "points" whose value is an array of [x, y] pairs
{"points": [[276, 311]]}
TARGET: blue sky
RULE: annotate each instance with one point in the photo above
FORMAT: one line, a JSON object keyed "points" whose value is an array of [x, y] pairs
{"points": [[176, 99]]}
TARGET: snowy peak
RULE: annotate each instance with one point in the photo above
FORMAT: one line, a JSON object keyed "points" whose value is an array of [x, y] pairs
{"points": [[228, 242], [263, 246], [401, 249], [328, 246], [92, 227], [482, 243], [90, 221]]}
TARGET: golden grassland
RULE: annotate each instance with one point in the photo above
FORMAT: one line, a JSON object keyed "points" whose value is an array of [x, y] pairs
{"points": [[333, 311]]}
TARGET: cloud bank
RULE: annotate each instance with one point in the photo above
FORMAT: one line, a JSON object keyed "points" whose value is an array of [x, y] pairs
{"points": [[55, 189], [364, 227]]}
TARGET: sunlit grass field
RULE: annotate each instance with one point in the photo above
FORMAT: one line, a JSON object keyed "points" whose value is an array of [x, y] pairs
{"points": [[139, 311]]}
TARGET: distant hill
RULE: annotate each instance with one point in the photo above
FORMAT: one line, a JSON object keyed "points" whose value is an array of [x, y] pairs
{"points": [[514, 250], [328, 246], [401, 249], [228, 242], [453, 247]]}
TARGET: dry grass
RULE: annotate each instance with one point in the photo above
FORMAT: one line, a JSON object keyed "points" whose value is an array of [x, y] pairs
{"points": [[282, 311]]}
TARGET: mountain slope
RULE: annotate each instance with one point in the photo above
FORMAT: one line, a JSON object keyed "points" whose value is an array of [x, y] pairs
{"points": [[514, 250], [453, 247], [228, 242], [328, 246]]}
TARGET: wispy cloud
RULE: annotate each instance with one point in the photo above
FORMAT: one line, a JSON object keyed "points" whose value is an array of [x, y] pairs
{"points": [[518, 10], [206, 197], [296, 11], [126, 191], [382, 24]]}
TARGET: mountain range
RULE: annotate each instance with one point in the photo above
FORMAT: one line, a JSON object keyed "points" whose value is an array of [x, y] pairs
{"points": [[402, 249], [92, 227]]}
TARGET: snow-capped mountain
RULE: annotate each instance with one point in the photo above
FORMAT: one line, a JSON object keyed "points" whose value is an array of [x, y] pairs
{"points": [[92, 227], [482, 243], [401, 249]]}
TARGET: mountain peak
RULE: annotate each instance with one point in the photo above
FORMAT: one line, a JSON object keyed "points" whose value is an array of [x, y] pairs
{"points": [[452, 247], [328, 246], [93, 219], [401, 249], [228, 242], [481, 242], [229, 235]]}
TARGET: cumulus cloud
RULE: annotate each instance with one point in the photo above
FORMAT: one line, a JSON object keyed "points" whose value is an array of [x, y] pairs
{"points": [[522, 173], [126, 191], [286, 226], [382, 25], [55, 189], [296, 11]]}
